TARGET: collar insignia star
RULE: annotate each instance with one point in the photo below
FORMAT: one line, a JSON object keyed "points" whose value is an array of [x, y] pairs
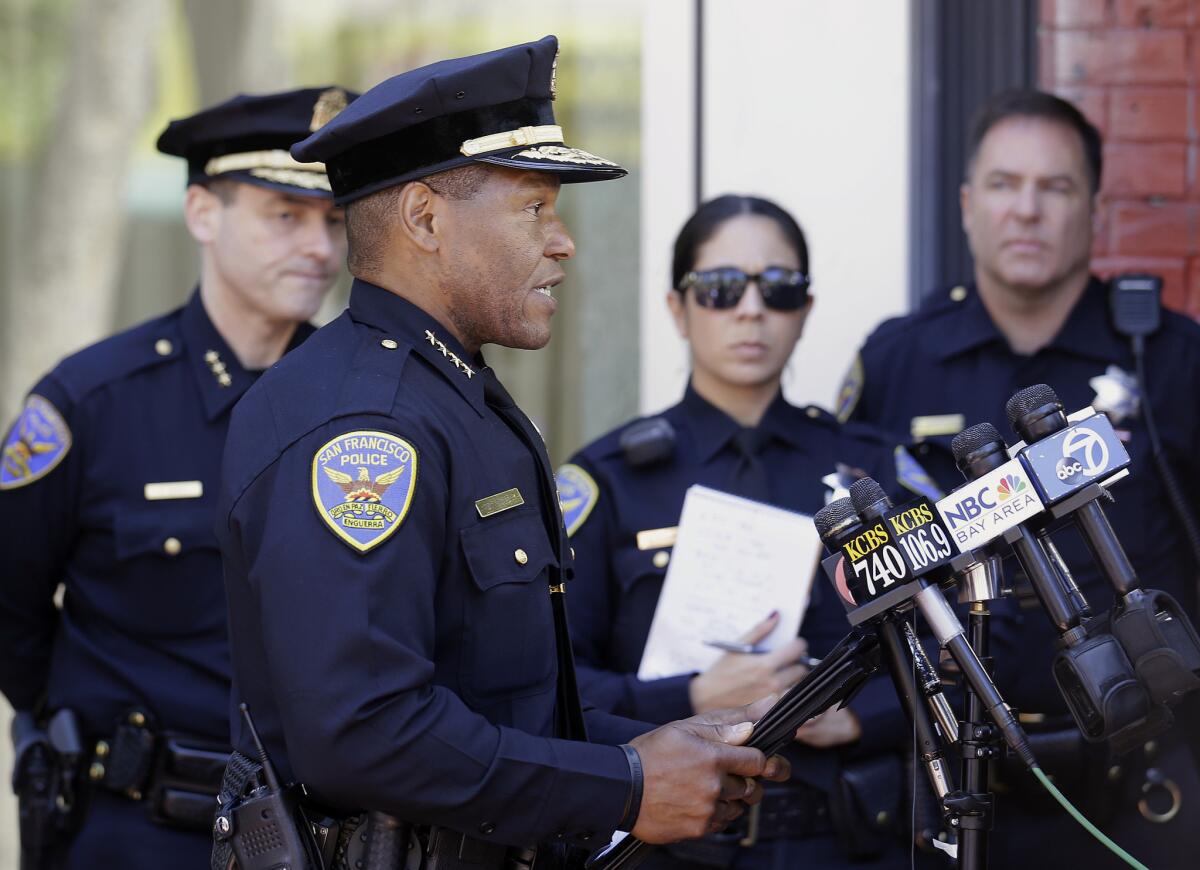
{"points": [[438, 345], [217, 367]]}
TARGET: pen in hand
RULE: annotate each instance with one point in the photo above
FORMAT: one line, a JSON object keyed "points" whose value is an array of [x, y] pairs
{"points": [[754, 649]]}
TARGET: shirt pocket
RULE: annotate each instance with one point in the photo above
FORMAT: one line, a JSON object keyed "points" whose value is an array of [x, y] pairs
{"points": [[510, 644], [164, 530], [167, 576]]}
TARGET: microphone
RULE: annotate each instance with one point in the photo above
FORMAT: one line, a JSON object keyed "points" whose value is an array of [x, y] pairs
{"points": [[1150, 625], [874, 506], [1093, 673], [837, 523]]}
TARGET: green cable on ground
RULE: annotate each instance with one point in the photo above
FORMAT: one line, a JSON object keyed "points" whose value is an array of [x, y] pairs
{"points": [[1088, 826]]}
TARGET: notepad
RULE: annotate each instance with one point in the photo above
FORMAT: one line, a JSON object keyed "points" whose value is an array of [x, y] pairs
{"points": [[735, 560]]}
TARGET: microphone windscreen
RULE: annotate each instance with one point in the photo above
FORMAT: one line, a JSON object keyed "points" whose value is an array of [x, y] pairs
{"points": [[972, 438], [1030, 399], [833, 515], [865, 492]]}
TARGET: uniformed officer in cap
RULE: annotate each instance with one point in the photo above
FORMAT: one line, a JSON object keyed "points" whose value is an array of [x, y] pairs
{"points": [[1034, 313], [108, 484], [396, 563]]}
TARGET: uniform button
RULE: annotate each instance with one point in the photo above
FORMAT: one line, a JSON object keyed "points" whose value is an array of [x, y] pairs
{"points": [[390, 343], [101, 748], [137, 718], [661, 558], [486, 828], [812, 412], [162, 347], [587, 835], [96, 771], [521, 556], [959, 293], [171, 546]]}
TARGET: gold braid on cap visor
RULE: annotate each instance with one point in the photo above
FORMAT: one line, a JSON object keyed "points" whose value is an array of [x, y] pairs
{"points": [[275, 165], [512, 139]]}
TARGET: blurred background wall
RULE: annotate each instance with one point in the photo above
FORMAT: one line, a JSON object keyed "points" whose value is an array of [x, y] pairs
{"points": [[852, 115]]}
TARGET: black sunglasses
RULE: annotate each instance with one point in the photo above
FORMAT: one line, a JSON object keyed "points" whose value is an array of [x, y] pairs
{"points": [[781, 289]]}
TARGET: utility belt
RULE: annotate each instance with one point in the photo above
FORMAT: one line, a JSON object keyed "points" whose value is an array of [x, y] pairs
{"points": [[1090, 774], [861, 812], [791, 810], [176, 775], [258, 822]]}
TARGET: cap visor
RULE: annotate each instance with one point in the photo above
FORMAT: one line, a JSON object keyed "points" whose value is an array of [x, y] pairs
{"points": [[570, 164]]}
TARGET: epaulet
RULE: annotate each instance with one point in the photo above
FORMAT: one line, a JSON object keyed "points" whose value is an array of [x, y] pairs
{"points": [[294, 398], [819, 415], [144, 346], [933, 307]]}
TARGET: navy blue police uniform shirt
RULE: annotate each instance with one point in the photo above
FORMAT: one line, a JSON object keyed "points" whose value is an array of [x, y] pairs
{"points": [[109, 486], [608, 502], [947, 366], [388, 555]]}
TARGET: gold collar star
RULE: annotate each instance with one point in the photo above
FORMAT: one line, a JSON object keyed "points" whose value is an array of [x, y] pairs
{"points": [[449, 354], [217, 367]]}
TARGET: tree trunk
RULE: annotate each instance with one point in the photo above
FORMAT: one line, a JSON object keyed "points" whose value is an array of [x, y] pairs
{"points": [[73, 240]]}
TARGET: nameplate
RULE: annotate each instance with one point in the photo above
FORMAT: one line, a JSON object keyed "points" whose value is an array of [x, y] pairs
{"points": [[657, 539], [937, 424], [498, 503], [173, 489]]}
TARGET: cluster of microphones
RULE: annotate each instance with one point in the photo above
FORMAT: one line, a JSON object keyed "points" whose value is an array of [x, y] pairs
{"points": [[1120, 670]]}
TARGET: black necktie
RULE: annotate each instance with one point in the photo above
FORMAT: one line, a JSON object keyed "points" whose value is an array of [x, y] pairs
{"points": [[749, 475], [568, 711]]}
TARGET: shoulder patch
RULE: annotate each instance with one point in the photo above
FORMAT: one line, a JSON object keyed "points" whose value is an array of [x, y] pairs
{"points": [[577, 495], [911, 475], [850, 391], [363, 484], [37, 442]]}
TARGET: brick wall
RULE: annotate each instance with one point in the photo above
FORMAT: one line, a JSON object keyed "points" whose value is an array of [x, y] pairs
{"points": [[1133, 67]]}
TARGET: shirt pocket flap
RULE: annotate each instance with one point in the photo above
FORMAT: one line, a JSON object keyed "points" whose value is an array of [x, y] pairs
{"points": [[632, 564], [507, 549], [165, 530]]}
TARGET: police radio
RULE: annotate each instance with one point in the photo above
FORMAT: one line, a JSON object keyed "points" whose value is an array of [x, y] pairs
{"points": [[269, 831]]}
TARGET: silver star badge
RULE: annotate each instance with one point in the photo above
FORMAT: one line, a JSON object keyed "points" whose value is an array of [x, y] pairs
{"points": [[1116, 394]]}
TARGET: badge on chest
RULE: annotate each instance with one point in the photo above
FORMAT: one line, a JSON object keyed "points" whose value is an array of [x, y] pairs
{"points": [[363, 484]]}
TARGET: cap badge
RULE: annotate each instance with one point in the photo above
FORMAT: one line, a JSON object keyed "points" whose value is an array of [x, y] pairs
{"points": [[328, 106], [554, 76]]}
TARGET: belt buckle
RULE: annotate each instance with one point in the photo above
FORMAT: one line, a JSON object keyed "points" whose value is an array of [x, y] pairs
{"points": [[752, 818]]}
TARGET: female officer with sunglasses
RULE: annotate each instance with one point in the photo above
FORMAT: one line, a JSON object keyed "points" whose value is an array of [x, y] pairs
{"points": [[740, 300]]}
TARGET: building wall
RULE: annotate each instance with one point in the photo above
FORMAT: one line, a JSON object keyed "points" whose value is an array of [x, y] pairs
{"points": [[1133, 67], [806, 103]]}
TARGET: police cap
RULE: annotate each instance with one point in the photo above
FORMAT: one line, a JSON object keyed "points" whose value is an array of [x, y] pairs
{"points": [[491, 108], [247, 139]]}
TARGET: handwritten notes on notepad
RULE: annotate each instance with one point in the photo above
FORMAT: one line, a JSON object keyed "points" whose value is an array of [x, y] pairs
{"points": [[735, 561]]}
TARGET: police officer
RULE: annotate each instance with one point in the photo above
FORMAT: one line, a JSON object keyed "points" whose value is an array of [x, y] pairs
{"points": [[1035, 314], [395, 559], [109, 480], [740, 300]]}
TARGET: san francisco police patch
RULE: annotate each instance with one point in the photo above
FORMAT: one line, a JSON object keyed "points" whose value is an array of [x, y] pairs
{"points": [[363, 484], [577, 495], [37, 442]]}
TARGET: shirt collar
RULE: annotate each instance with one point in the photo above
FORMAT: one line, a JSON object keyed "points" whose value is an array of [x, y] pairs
{"points": [[219, 376], [1087, 331], [712, 428], [400, 319], [972, 328]]}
